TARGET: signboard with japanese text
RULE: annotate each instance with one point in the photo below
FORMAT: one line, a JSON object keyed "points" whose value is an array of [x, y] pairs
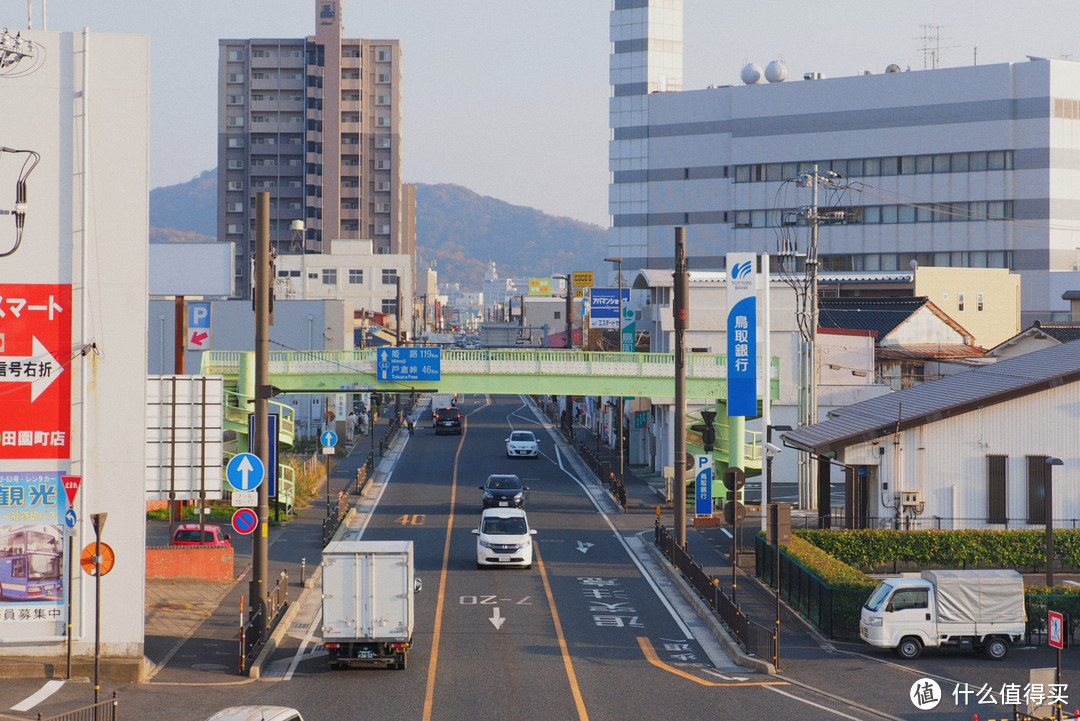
{"points": [[35, 350], [540, 286], [742, 334], [32, 590], [703, 484], [409, 364], [604, 306]]}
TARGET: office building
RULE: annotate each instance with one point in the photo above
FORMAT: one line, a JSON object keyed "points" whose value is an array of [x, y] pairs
{"points": [[956, 167], [316, 122]]}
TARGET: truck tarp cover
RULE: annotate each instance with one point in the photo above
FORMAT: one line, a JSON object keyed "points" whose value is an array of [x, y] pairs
{"points": [[992, 596]]}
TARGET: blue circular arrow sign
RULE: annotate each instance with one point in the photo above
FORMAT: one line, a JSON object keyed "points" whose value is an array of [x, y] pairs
{"points": [[244, 521], [70, 518], [245, 471], [328, 438]]}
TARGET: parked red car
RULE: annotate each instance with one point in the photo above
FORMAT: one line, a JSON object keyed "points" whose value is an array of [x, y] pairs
{"points": [[187, 534]]}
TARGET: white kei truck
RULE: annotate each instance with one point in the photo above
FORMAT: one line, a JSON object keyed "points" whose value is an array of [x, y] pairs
{"points": [[981, 610], [367, 603]]}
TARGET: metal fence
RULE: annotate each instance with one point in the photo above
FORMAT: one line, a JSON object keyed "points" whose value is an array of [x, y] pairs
{"points": [[839, 519], [100, 711], [759, 640], [254, 632], [604, 471], [833, 611]]}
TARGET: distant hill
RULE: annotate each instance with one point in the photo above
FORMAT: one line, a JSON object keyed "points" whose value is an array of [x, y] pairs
{"points": [[459, 231]]}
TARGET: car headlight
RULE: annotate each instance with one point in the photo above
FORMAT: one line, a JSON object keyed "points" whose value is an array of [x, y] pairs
{"points": [[517, 496], [487, 494], [874, 622], [485, 544]]}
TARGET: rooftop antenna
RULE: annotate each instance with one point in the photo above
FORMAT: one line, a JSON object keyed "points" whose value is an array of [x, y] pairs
{"points": [[931, 49]]}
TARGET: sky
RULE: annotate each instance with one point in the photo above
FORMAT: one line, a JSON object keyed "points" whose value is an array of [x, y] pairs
{"points": [[509, 97]]}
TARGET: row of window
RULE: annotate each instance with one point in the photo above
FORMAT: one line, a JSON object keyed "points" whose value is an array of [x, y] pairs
{"points": [[858, 262], [871, 167], [348, 51], [1038, 476], [975, 210], [356, 275]]}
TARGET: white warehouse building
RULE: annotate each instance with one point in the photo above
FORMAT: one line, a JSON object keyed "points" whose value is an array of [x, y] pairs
{"points": [[958, 167]]}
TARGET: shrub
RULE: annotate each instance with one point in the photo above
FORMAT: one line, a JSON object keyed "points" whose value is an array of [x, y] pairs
{"points": [[829, 569]]}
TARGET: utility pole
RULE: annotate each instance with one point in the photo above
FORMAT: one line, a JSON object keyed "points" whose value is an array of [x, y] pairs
{"points": [[263, 320], [680, 310], [569, 406], [397, 310]]}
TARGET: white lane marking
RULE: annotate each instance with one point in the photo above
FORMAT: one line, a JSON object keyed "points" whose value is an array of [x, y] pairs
{"points": [[309, 637], [811, 703], [727, 533], [43, 693]]}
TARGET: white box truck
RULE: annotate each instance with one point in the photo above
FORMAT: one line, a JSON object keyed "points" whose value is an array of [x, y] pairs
{"points": [[978, 610], [367, 602]]}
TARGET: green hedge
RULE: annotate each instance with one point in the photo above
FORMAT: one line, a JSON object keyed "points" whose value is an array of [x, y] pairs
{"points": [[828, 568], [869, 549]]}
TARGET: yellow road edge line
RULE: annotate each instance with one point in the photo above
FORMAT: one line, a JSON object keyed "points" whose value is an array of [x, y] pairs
{"points": [[650, 655], [568, 663]]}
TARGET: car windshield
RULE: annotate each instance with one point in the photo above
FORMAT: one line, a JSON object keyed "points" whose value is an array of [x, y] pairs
{"points": [[522, 436], [504, 483], [877, 598], [183, 536], [495, 526]]}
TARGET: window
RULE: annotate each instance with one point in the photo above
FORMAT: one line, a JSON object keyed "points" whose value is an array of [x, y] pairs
{"points": [[237, 99], [389, 306], [979, 302], [383, 78], [382, 165], [382, 187], [236, 55], [329, 276], [1037, 473], [235, 164], [236, 121], [383, 55], [383, 122], [382, 207], [996, 484], [234, 207], [905, 598], [356, 276], [234, 228], [236, 185], [389, 276], [382, 230], [960, 302], [382, 100], [236, 142], [382, 142]]}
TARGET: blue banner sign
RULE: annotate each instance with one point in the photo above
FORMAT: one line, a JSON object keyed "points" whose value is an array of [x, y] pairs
{"points": [[604, 306], [703, 484], [409, 364], [742, 334]]}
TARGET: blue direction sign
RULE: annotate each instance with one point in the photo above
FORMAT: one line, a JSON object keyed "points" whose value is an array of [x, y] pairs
{"points": [[328, 439], [70, 518], [703, 483], [409, 364], [245, 471], [244, 521]]}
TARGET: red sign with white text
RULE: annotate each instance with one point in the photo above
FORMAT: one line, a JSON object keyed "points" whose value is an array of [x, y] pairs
{"points": [[35, 379]]}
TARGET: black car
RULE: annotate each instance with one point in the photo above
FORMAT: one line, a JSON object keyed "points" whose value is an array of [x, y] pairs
{"points": [[503, 490], [447, 420]]}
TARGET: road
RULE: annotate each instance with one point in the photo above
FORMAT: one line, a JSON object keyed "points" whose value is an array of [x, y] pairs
{"points": [[594, 630]]}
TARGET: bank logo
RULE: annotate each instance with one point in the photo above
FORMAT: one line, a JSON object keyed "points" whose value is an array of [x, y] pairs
{"points": [[741, 270]]}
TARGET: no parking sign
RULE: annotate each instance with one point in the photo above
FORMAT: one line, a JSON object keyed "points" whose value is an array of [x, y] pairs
{"points": [[244, 521]]}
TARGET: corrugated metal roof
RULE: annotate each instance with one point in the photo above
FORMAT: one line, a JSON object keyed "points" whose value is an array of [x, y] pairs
{"points": [[928, 351], [1064, 332], [935, 400], [867, 277], [881, 315]]}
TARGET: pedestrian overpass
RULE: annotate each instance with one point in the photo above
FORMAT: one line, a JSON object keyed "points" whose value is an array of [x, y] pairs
{"points": [[503, 372]]}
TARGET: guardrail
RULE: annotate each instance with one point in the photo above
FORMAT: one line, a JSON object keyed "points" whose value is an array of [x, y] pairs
{"points": [[100, 711], [253, 631], [757, 639], [604, 471]]}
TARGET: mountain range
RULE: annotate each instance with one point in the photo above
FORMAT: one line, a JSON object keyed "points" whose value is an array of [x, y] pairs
{"points": [[458, 231]]}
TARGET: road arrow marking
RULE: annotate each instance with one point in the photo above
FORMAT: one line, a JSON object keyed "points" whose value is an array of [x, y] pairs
{"points": [[496, 618], [584, 546], [39, 369], [198, 337]]}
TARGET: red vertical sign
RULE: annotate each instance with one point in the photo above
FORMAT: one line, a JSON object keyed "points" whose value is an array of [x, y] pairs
{"points": [[35, 385]]}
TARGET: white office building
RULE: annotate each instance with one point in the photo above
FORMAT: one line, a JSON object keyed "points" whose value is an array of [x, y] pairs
{"points": [[957, 167]]}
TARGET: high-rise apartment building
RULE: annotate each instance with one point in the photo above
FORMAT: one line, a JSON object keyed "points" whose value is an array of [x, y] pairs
{"points": [[316, 122]]}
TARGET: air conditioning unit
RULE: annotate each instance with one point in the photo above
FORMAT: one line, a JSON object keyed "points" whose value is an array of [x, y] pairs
{"points": [[910, 498]]}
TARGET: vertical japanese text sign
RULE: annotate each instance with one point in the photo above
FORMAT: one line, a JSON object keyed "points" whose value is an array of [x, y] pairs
{"points": [[742, 334], [35, 350]]}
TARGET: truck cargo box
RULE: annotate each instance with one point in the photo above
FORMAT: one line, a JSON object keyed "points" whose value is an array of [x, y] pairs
{"points": [[978, 596], [368, 591]]}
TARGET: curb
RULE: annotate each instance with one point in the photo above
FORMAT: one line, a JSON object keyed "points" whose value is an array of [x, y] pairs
{"points": [[706, 614]]}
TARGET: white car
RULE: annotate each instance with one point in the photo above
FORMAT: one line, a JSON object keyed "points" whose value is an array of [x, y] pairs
{"points": [[522, 444], [257, 713], [504, 538]]}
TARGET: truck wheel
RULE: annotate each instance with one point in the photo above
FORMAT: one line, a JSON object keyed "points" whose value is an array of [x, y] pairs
{"points": [[996, 648], [909, 648]]}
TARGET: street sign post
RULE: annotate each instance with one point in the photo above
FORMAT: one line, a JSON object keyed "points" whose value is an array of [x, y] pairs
{"points": [[245, 521], [1056, 629], [272, 449], [409, 364], [199, 328], [703, 482], [245, 472]]}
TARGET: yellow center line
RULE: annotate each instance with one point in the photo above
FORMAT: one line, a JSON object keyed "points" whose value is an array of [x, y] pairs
{"points": [[651, 656], [568, 663]]}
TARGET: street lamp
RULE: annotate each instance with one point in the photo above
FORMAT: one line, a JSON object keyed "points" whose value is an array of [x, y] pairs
{"points": [[568, 344], [619, 335], [1049, 511]]}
